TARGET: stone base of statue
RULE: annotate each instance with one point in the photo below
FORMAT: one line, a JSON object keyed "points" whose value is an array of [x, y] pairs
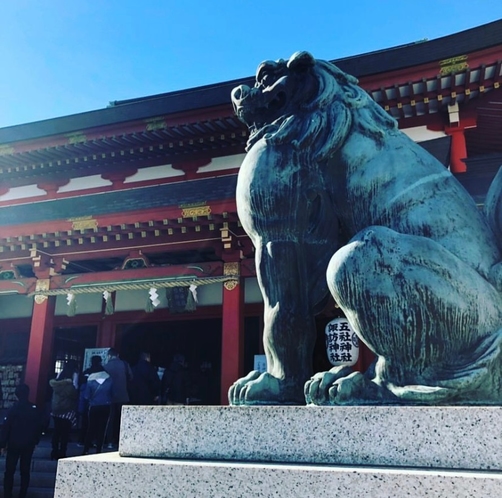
{"points": [[292, 451]]}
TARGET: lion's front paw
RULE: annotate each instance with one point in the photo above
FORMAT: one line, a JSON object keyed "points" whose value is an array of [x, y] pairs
{"points": [[340, 386], [237, 394], [263, 389], [321, 388]]}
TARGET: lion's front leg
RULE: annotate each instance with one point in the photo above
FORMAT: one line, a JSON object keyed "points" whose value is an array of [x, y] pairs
{"points": [[284, 274]]}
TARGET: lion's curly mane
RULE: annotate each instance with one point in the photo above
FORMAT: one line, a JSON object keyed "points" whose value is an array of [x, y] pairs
{"points": [[322, 124]]}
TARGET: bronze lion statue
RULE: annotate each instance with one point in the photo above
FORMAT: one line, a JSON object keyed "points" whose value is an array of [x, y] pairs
{"points": [[337, 200]]}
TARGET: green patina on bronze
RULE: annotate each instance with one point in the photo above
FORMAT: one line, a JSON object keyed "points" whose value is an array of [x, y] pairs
{"points": [[337, 200]]}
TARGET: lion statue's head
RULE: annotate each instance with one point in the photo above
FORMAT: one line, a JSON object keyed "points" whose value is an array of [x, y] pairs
{"points": [[308, 103]]}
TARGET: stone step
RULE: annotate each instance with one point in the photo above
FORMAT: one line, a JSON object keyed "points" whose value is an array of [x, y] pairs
{"points": [[290, 452], [43, 469], [42, 479], [461, 438], [111, 476]]}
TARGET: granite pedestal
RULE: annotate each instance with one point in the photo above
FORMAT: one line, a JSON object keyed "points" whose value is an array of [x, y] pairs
{"points": [[190, 451]]}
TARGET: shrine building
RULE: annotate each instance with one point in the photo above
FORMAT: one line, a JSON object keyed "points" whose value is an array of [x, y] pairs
{"points": [[118, 227]]}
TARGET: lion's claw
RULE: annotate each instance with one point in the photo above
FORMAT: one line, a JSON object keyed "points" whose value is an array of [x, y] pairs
{"points": [[263, 389]]}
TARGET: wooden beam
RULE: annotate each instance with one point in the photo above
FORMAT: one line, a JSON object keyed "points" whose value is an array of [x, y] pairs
{"points": [[114, 219], [97, 133], [197, 269], [17, 286], [430, 70]]}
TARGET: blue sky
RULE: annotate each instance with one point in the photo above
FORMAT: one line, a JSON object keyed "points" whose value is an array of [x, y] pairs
{"points": [[63, 57]]}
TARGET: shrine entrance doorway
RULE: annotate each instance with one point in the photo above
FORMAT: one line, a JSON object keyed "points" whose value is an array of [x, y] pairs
{"points": [[197, 341]]}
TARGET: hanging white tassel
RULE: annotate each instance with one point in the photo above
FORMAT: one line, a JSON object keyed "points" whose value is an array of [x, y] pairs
{"points": [[191, 298], [193, 290], [71, 300], [154, 296], [153, 300], [107, 296]]}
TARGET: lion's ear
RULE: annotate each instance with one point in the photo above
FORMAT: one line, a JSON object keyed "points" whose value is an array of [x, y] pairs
{"points": [[300, 61]]}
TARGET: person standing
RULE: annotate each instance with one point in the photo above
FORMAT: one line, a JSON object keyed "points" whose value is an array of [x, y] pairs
{"points": [[64, 403], [121, 374], [98, 393], [20, 433], [175, 381], [145, 389], [83, 405]]}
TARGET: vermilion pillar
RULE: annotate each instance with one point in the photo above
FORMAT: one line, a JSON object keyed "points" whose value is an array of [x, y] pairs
{"points": [[39, 360], [460, 120], [458, 149], [232, 343]]}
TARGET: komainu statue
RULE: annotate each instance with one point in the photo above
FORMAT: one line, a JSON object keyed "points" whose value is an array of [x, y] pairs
{"points": [[337, 200]]}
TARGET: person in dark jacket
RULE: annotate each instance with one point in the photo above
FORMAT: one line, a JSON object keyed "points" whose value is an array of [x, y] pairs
{"points": [[98, 393], [83, 404], [145, 387], [20, 434], [121, 374], [175, 381], [63, 409]]}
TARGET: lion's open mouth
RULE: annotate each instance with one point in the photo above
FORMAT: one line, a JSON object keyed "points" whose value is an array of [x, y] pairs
{"points": [[269, 111], [277, 103]]}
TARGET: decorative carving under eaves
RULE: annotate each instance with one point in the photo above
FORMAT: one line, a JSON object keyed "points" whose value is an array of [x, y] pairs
{"points": [[191, 212], [42, 285], [83, 223], [231, 270]]}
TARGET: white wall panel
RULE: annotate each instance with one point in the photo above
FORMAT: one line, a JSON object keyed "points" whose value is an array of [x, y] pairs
{"points": [[210, 295], [86, 303], [16, 306]]}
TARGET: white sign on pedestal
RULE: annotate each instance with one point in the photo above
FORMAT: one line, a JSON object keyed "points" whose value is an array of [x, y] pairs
{"points": [[342, 343]]}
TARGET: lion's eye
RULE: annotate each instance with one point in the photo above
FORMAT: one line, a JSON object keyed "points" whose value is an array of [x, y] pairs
{"points": [[267, 73], [262, 77], [265, 76]]}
